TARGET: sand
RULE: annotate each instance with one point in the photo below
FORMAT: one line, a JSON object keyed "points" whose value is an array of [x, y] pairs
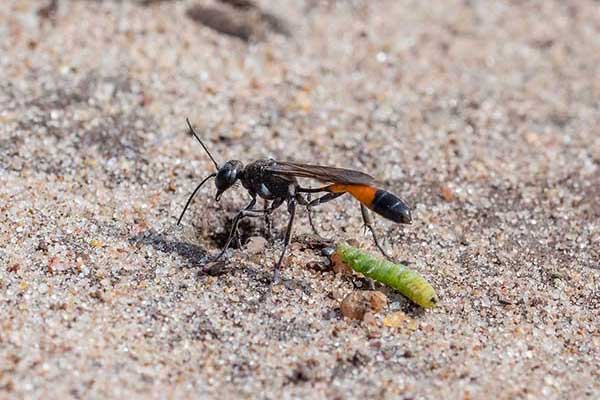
{"points": [[483, 116]]}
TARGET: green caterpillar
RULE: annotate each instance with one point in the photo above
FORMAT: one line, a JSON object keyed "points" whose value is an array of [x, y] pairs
{"points": [[404, 280]]}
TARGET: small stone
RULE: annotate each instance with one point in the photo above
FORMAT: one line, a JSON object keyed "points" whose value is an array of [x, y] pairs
{"points": [[96, 243], [256, 245], [395, 319], [358, 305], [354, 306], [447, 193], [377, 300], [412, 325]]}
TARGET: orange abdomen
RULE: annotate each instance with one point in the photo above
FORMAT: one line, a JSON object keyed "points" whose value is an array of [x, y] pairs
{"points": [[380, 201], [363, 193]]}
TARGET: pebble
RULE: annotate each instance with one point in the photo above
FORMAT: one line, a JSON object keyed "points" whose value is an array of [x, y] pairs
{"points": [[358, 303], [377, 300], [395, 319], [96, 243], [447, 193], [256, 245]]}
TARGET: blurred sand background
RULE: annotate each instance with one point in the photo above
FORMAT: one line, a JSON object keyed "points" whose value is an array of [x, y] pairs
{"points": [[483, 115]]}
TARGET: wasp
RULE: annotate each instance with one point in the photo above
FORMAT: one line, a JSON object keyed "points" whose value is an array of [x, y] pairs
{"points": [[276, 182]]}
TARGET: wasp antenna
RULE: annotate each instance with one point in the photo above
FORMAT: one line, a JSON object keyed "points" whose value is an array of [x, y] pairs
{"points": [[201, 142], [193, 194]]}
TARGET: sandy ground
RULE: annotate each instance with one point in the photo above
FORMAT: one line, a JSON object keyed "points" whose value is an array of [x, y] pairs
{"points": [[484, 116]]}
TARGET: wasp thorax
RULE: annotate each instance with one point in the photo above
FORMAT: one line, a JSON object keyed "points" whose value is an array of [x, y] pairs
{"points": [[227, 175]]}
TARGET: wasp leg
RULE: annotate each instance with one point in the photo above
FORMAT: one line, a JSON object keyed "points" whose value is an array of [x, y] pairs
{"points": [[310, 218], [233, 233], [321, 200], [237, 238], [268, 224], [368, 221], [268, 211], [305, 202], [314, 228], [246, 211], [325, 199], [312, 203], [288, 237]]}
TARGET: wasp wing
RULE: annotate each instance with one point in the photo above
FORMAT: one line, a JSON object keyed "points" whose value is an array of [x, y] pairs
{"points": [[321, 173]]}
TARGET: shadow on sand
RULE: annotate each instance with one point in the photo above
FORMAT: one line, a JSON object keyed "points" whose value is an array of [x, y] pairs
{"points": [[195, 255]]}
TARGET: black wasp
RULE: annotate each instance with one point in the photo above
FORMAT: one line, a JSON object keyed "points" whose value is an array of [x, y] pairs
{"points": [[276, 182]]}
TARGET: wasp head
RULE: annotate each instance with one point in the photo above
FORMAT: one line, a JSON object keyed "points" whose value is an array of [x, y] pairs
{"points": [[228, 174]]}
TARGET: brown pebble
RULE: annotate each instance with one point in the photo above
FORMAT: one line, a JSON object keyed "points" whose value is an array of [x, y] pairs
{"points": [[336, 331], [362, 305], [354, 306], [223, 21], [395, 319], [447, 193], [96, 294], [377, 300], [49, 10]]}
